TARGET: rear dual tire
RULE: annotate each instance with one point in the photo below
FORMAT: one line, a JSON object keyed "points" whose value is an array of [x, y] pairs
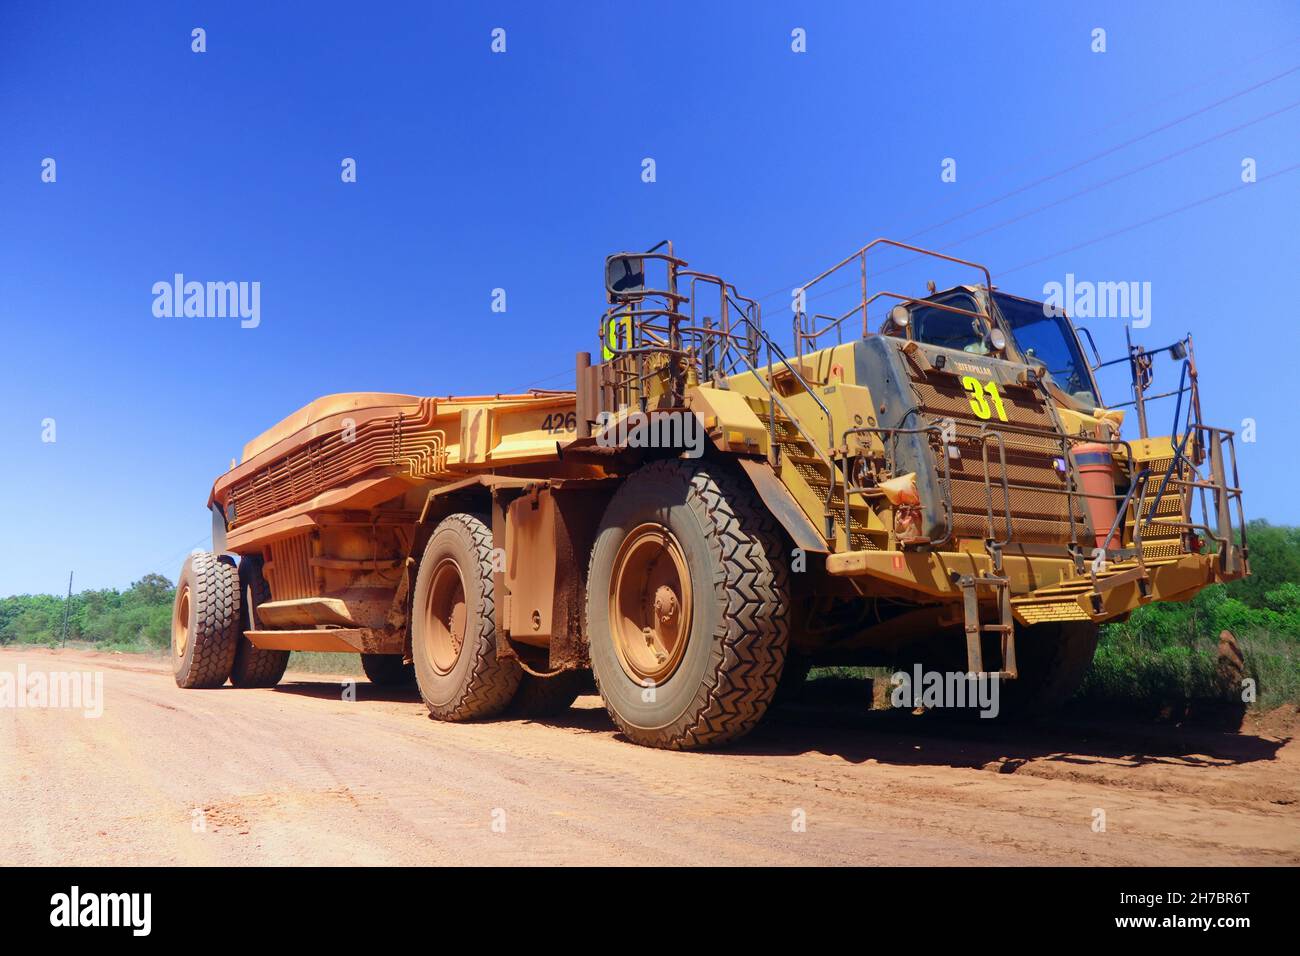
{"points": [[388, 670], [253, 666], [686, 616]]}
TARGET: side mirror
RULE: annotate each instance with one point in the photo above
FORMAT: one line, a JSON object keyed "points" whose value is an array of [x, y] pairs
{"points": [[624, 275], [900, 315]]}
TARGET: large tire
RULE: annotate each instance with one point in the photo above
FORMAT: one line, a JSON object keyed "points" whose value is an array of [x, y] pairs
{"points": [[254, 667], [1052, 660], [205, 621], [547, 696], [453, 625], [708, 667], [387, 670]]}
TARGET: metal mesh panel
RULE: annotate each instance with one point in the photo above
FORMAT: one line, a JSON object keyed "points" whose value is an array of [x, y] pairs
{"points": [[1039, 513]]}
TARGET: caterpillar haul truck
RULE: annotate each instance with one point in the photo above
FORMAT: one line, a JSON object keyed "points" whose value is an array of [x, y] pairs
{"points": [[707, 514]]}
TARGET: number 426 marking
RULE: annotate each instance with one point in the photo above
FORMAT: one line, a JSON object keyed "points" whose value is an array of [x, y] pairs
{"points": [[980, 393]]}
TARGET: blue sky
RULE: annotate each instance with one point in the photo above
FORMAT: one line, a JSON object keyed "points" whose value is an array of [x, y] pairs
{"points": [[522, 170]]}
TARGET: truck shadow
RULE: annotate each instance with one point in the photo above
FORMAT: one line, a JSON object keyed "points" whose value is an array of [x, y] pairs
{"points": [[842, 724], [930, 739], [333, 690]]}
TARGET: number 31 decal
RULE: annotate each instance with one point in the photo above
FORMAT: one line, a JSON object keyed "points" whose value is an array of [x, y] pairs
{"points": [[980, 394]]}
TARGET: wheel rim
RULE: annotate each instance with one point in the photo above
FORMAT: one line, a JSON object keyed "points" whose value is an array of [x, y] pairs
{"points": [[444, 617], [650, 604], [181, 621]]}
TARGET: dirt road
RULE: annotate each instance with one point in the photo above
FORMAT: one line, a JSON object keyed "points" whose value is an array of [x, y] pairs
{"points": [[299, 775]]}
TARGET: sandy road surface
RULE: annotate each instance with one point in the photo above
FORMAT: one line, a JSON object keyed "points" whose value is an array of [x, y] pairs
{"points": [[298, 775]]}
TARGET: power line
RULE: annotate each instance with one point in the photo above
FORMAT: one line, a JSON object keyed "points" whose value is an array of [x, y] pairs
{"points": [[1108, 151], [782, 293], [158, 566], [1145, 222], [1024, 187], [1024, 160], [1114, 179]]}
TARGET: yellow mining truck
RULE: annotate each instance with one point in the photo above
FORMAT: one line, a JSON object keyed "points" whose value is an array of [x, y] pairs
{"points": [[707, 515]]}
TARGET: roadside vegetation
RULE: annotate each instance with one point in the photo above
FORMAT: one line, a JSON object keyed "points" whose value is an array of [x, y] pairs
{"points": [[137, 619], [1164, 655], [1167, 654]]}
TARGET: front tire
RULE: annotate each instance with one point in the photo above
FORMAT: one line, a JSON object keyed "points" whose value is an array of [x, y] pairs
{"points": [[1053, 660], [453, 625], [687, 606], [205, 621]]}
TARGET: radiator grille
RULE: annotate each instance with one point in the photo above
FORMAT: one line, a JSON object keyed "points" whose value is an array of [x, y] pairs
{"points": [[289, 572], [1040, 511]]}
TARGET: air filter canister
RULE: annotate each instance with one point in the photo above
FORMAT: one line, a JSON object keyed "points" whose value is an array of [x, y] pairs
{"points": [[1097, 474]]}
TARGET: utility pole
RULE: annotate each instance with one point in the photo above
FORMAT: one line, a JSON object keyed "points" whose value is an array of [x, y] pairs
{"points": [[66, 604]]}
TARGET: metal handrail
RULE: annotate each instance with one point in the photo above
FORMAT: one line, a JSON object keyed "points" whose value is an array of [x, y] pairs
{"points": [[993, 544], [1226, 495], [892, 433], [727, 335], [861, 256], [1121, 512], [774, 349], [812, 336]]}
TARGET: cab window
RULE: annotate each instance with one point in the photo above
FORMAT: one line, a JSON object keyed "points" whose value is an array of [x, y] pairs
{"points": [[949, 330]]}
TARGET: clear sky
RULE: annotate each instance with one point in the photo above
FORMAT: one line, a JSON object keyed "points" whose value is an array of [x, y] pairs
{"points": [[520, 170]]}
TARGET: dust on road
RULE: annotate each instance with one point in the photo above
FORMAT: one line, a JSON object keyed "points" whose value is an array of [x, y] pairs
{"points": [[297, 775]]}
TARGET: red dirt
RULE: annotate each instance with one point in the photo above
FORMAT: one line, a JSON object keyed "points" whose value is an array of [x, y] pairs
{"points": [[297, 775]]}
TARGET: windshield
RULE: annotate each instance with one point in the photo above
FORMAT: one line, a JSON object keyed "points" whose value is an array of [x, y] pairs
{"points": [[1048, 340]]}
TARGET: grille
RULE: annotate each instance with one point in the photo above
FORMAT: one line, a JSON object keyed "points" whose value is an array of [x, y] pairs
{"points": [[289, 571], [1040, 511], [1050, 611]]}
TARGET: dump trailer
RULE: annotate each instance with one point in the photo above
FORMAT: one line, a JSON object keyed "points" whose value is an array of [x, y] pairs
{"points": [[707, 514]]}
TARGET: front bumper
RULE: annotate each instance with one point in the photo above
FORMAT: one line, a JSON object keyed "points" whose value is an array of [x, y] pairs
{"points": [[1042, 589]]}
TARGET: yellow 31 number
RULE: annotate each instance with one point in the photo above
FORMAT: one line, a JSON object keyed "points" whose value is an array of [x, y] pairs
{"points": [[981, 393]]}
